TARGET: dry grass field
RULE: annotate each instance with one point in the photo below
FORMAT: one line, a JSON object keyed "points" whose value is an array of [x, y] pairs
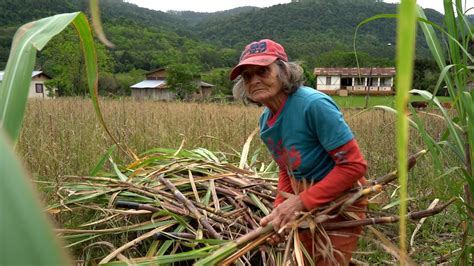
{"points": [[62, 136]]}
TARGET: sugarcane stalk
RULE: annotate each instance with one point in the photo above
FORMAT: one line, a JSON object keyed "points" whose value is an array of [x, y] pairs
{"points": [[261, 234], [394, 174], [232, 246], [343, 202], [262, 194], [245, 215], [135, 206], [288, 245], [416, 215], [354, 194], [139, 206], [175, 209], [254, 234], [190, 206], [359, 194], [257, 242]]}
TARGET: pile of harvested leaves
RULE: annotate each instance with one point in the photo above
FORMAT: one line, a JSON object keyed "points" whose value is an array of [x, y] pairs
{"points": [[189, 206]]}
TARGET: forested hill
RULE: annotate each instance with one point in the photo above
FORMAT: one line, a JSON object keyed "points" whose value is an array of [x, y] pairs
{"points": [[311, 29], [319, 33], [306, 29], [194, 18]]}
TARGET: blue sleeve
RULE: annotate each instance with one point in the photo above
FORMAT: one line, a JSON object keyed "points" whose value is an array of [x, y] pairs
{"points": [[327, 123]]}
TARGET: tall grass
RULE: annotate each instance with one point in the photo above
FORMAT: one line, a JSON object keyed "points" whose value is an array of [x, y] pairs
{"points": [[63, 137]]}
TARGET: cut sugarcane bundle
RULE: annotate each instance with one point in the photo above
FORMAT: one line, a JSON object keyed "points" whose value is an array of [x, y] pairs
{"points": [[192, 206]]}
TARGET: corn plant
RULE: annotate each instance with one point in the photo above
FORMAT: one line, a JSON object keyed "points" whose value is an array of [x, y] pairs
{"points": [[23, 224], [455, 62], [406, 22], [406, 25]]}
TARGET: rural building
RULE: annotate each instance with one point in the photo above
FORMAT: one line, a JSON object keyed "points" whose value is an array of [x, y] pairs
{"points": [[37, 88], [154, 87], [354, 81]]}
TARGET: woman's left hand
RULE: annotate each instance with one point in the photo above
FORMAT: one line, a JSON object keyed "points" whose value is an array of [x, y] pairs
{"points": [[286, 212]]}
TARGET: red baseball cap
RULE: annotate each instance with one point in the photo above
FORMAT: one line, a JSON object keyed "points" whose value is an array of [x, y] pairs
{"points": [[261, 53]]}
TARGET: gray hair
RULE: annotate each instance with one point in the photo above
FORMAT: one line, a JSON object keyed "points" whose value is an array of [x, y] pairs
{"points": [[290, 75]]}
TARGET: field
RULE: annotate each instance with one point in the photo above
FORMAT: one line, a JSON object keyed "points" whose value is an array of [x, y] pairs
{"points": [[360, 101], [62, 137]]}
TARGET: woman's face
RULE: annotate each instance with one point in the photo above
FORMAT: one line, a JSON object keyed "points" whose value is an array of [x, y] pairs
{"points": [[262, 83]]}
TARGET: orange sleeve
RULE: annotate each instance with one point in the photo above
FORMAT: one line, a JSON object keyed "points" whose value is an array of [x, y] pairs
{"points": [[350, 167]]}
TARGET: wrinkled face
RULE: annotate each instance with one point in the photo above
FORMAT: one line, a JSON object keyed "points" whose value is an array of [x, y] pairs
{"points": [[262, 83]]}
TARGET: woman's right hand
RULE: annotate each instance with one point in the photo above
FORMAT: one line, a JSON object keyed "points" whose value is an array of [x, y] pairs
{"points": [[286, 212], [275, 239]]}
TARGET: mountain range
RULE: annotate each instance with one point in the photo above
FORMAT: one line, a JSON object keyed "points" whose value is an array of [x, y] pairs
{"points": [[318, 33], [306, 29]]}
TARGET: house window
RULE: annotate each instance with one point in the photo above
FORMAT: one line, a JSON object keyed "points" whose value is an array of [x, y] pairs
{"points": [[359, 81], [328, 80], [39, 88], [385, 82]]}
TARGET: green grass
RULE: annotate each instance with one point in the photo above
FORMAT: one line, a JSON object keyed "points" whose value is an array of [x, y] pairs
{"points": [[358, 101]]}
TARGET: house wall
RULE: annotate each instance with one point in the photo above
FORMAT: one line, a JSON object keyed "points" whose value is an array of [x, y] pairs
{"points": [[334, 85], [153, 94], [202, 93], [40, 79], [380, 86], [206, 92]]}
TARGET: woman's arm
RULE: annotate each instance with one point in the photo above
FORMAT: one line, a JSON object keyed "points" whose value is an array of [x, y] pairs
{"points": [[350, 167], [284, 184]]}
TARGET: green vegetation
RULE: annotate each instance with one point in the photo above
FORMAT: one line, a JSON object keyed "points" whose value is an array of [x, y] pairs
{"points": [[358, 101], [182, 78], [453, 151], [458, 140]]}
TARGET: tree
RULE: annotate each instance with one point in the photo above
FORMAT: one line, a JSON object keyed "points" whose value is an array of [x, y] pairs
{"points": [[348, 59], [63, 60], [127, 79], [220, 78], [425, 76], [183, 78], [310, 79]]}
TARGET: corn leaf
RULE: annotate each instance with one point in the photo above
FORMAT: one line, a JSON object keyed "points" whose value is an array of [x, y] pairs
{"points": [[27, 40], [102, 160], [451, 125], [119, 174], [24, 230], [406, 25]]}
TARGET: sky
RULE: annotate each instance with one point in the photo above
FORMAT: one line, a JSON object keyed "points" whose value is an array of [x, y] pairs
{"points": [[219, 5]]}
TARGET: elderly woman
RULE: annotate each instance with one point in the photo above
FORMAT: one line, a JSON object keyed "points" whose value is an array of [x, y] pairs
{"points": [[317, 155]]}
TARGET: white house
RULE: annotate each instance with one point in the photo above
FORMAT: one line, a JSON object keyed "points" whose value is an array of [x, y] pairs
{"points": [[37, 88], [346, 81]]}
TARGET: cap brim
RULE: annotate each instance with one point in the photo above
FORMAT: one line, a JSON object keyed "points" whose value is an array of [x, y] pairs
{"points": [[263, 60]]}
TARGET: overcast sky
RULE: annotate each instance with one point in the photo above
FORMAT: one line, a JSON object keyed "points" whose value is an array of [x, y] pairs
{"points": [[218, 5]]}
